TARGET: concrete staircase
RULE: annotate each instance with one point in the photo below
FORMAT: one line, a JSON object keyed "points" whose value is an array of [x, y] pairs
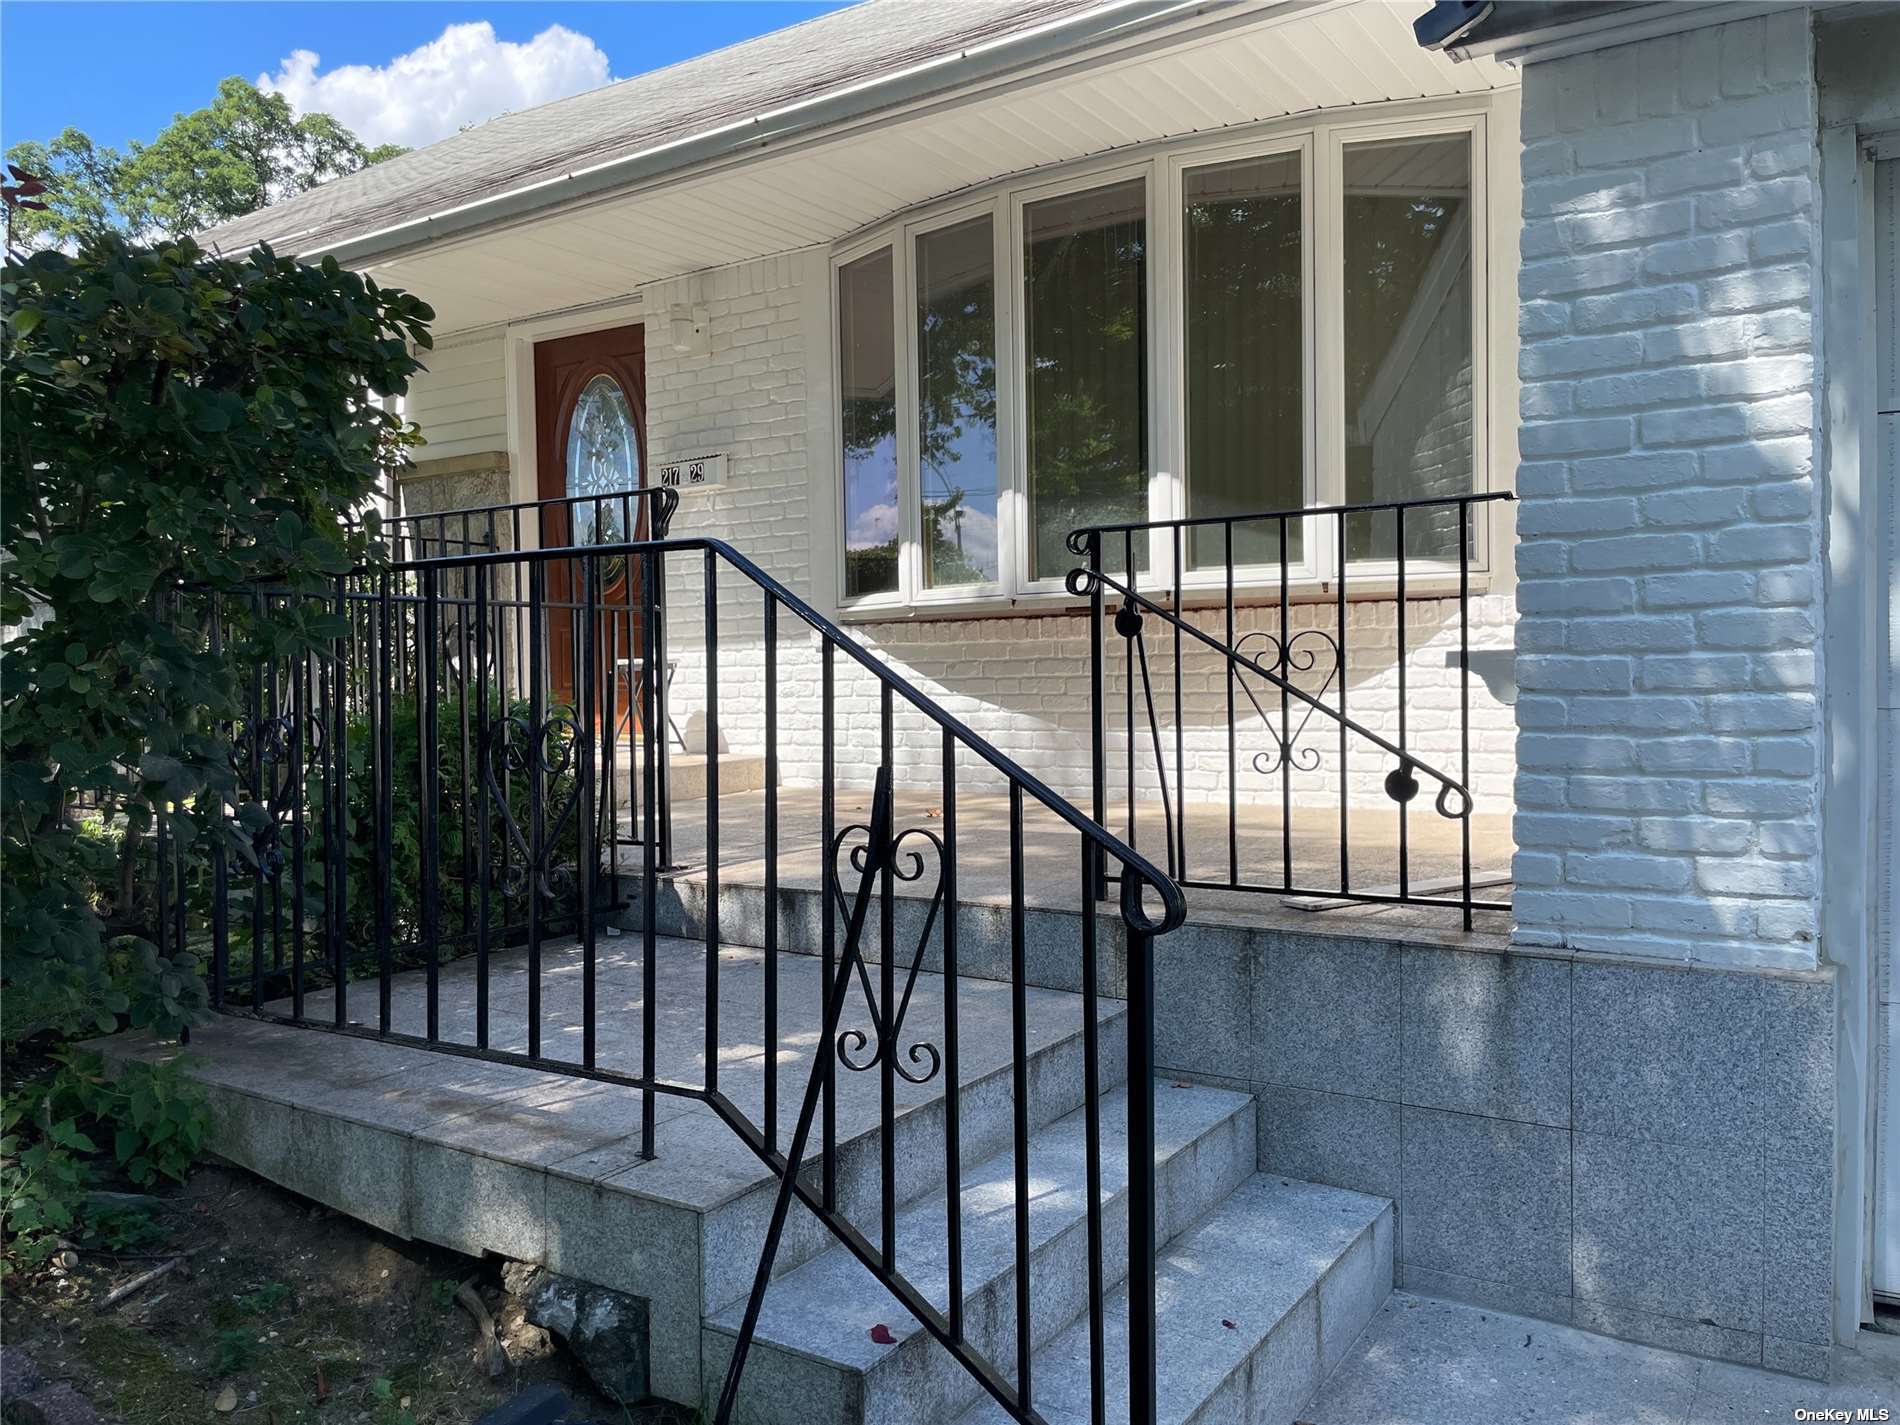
{"points": [[1262, 1282]]}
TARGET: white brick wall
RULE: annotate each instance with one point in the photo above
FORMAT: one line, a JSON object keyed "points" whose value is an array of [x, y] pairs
{"points": [[1669, 529]]}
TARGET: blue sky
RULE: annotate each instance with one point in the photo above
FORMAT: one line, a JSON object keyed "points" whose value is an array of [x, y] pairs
{"points": [[120, 71]]}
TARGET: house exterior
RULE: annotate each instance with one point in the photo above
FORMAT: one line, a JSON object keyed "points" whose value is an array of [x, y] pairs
{"points": [[901, 296]]}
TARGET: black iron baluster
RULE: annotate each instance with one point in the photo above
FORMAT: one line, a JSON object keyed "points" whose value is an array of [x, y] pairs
{"points": [[301, 711], [1345, 770], [712, 817], [538, 759], [1464, 697], [278, 748], [884, 1017], [429, 675], [1233, 773], [771, 873], [220, 869], [1019, 1077], [651, 569], [1098, 713], [1286, 723], [1177, 852], [336, 768], [385, 792], [826, 1068], [587, 830], [1092, 1119], [484, 813], [952, 1090], [1405, 859], [256, 726], [1129, 635], [1141, 1172]]}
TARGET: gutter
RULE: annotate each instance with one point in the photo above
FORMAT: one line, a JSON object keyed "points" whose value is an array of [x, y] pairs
{"points": [[1115, 20], [1618, 27]]}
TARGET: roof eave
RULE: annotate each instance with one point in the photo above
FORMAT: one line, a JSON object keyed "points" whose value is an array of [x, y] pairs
{"points": [[1113, 20], [1618, 26]]}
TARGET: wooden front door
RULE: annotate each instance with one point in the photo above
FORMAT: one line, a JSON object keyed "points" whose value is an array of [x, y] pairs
{"points": [[590, 406]]}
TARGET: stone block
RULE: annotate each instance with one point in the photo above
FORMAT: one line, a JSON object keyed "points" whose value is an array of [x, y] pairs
{"points": [[1486, 1034], [1667, 1055], [1326, 1013], [1671, 1229], [1330, 1138], [1798, 1249], [1486, 1198], [1204, 1001]]}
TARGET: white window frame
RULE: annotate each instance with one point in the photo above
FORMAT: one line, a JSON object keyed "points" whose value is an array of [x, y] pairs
{"points": [[1020, 199], [1320, 142], [908, 414]]}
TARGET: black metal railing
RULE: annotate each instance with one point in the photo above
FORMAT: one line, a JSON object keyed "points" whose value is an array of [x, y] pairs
{"points": [[1257, 648], [355, 878], [644, 513]]}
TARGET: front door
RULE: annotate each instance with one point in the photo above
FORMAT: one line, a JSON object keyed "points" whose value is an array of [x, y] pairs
{"points": [[590, 404]]}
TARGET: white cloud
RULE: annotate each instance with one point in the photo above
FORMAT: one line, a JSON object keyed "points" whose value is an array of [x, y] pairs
{"points": [[872, 526], [461, 77]]}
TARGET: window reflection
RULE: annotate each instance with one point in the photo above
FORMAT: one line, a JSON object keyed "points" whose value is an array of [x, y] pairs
{"points": [[1085, 288], [956, 394], [1408, 365], [1245, 354], [867, 370]]}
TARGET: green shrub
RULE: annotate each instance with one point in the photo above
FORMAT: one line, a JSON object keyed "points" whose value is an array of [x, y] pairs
{"points": [[169, 421]]}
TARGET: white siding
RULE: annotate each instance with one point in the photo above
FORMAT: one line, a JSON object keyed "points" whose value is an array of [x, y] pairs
{"points": [[460, 401]]}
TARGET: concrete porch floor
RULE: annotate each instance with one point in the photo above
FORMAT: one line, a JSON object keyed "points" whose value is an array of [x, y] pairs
{"points": [[1429, 1362], [1051, 855]]}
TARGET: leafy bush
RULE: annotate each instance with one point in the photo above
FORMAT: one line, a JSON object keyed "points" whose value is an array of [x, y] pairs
{"points": [[170, 419], [150, 1117]]}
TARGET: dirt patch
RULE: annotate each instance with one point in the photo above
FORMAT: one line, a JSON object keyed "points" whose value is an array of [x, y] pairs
{"points": [[297, 1313]]}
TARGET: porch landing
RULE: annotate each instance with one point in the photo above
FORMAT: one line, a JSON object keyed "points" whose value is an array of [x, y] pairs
{"points": [[1050, 852]]}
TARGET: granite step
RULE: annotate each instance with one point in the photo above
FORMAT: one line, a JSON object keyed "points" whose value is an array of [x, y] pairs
{"points": [[813, 1359], [1255, 1304]]}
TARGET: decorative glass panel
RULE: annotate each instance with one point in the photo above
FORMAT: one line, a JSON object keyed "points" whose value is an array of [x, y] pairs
{"points": [[1085, 293], [603, 458], [1245, 353], [1407, 234], [956, 415], [867, 373]]}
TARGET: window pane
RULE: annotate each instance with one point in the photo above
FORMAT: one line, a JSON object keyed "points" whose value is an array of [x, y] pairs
{"points": [[956, 415], [1408, 339], [1244, 357], [867, 374], [1086, 316], [603, 458]]}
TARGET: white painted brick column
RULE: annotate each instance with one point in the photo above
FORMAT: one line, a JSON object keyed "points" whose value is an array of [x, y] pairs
{"points": [[1669, 587]]}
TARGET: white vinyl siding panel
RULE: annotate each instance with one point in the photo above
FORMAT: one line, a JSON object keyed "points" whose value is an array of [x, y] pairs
{"points": [[460, 403]]}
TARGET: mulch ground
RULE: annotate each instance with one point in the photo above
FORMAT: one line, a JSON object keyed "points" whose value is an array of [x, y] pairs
{"points": [[284, 1313]]}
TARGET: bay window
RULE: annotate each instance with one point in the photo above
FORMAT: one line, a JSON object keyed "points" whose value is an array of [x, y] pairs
{"points": [[1215, 330]]}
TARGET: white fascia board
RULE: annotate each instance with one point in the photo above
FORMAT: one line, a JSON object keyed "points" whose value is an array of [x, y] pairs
{"points": [[1619, 27]]}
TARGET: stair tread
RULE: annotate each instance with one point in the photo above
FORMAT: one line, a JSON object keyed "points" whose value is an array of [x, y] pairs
{"points": [[1249, 1262], [827, 1307]]}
